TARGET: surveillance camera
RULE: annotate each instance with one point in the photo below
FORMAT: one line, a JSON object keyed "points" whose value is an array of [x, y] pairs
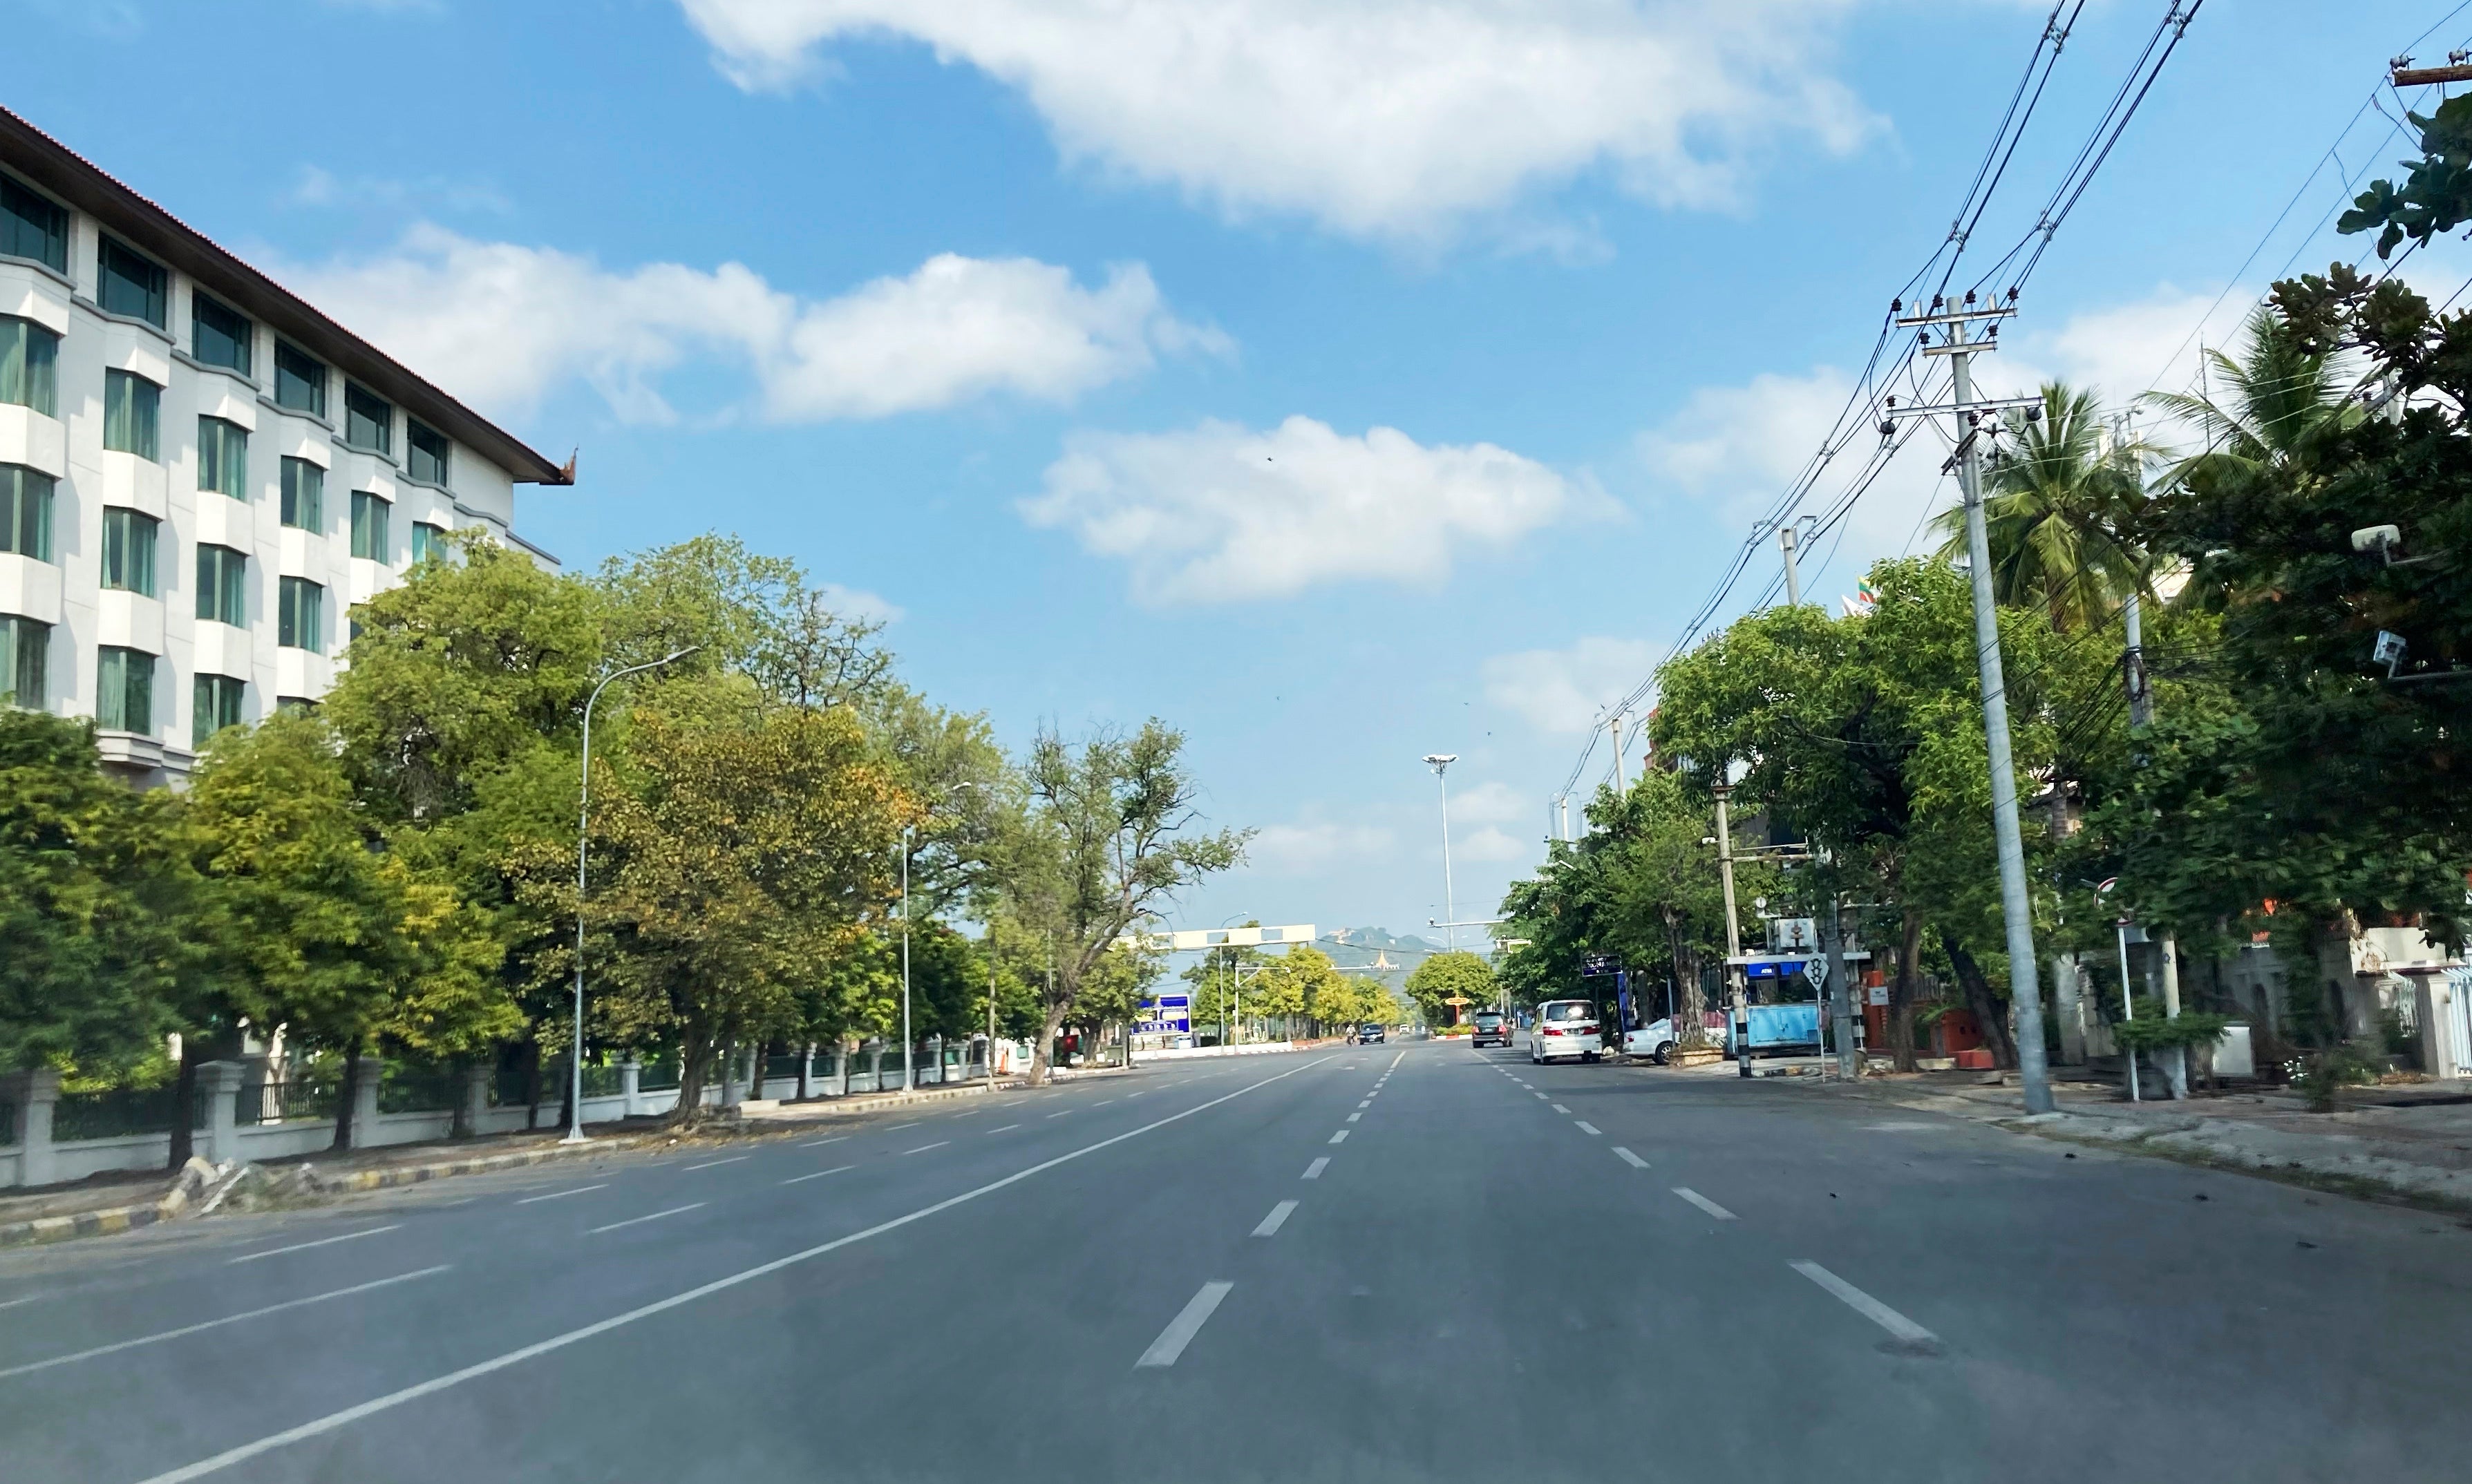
{"points": [[2378, 539]]}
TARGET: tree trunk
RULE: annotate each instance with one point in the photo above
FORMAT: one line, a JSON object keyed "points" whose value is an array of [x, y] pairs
{"points": [[348, 1095], [1979, 998], [1901, 993], [1691, 1017], [1041, 1053], [807, 1073], [532, 1083], [692, 1054], [185, 1098]]}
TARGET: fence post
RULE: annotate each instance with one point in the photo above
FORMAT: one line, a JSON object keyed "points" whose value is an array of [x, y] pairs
{"points": [[630, 1086], [220, 1083], [474, 1104], [35, 1093], [364, 1101]]}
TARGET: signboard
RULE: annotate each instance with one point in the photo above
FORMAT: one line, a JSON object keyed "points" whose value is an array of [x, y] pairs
{"points": [[1600, 963], [1172, 1002], [1217, 937], [1877, 993], [1792, 935]]}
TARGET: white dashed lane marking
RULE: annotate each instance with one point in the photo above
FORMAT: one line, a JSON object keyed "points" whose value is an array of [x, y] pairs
{"points": [[1340, 1137], [735, 1159], [1862, 1304], [323, 1242], [1630, 1158], [1703, 1203], [1587, 1127], [1187, 1324], [1277, 1219], [559, 1196], [639, 1221], [1312, 1171], [819, 1174]]}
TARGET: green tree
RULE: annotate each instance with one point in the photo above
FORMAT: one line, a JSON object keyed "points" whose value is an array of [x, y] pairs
{"points": [[2057, 511], [1446, 978], [1113, 831]]}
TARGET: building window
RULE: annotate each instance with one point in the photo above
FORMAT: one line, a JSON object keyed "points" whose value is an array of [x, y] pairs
{"points": [[128, 552], [24, 645], [133, 286], [33, 227], [29, 363], [124, 690], [296, 706], [424, 452], [219, 336], [24, 511], [223, 591], [222, 457], [304, 495], [133, 411], [368, 526], [427, 541], [299, 618], [214, 703], [299, 380], [369, 421]]}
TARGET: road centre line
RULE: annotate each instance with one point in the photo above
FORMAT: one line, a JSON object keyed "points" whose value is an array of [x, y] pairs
{"points": [[1312, 1171], [1340, 1137], [1277, 1219], [1865, 1305], [735, 1159], [559, 1196], [1704, 1203], [332, 1421], [215, 1323], [1587, 1127], [819, 1174], [1179, 1331], [1630, 1158], [323, 1242], [636, 1220], [924, 1148]]}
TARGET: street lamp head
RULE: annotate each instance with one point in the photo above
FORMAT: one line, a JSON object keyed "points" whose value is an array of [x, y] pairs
{"points": [[675, 655], [1438, 761]]}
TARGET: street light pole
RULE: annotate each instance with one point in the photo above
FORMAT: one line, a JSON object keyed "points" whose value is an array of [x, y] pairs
{"points": [[909, 1052], [1437, 761], [582, 849]]}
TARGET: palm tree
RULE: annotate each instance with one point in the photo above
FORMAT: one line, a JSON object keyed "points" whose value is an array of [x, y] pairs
{"points": [[2055, 509], [2277, 408]]}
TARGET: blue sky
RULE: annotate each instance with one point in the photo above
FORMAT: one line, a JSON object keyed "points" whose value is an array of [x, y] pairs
{"points": [[1340, 380]]}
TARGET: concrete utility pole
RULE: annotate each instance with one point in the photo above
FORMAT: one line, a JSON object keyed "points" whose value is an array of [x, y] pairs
{"points": [[1622, 786], [1840, 998], [1792, 578], [2025, 993], [1741, 1007], [1439, 761], [2141, 715]]}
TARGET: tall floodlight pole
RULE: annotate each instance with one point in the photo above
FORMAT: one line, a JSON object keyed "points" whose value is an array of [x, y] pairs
{"points": [[1437, 761], [2016, 912], [582, 848]]}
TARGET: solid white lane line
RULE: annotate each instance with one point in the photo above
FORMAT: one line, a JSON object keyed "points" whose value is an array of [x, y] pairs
{"points": [[1340, 1137], [216, 1324], [1565, 1112], [819, 1174], [1277, 1219], [924, 1148], [1007, 1129], [1353, 1116], [1312, 1171], [1630, 1158], [634, 1220], [323, 1242], [735, 1159], [1181, 1330], [559, 1196], [1587, 1127], [813, 1142], [1865, 1305], [1704, 1203], [333, 1421]]}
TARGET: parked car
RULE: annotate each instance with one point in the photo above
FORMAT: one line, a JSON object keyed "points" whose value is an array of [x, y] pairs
{"points": [[1565, 1028], [1656, 1038], [1493, 1029], [1368, 1034]]}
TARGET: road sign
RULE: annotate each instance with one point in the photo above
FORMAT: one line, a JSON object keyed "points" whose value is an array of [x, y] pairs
{"points": [[1217, 937], [1600, 963], [1171, 1002]]}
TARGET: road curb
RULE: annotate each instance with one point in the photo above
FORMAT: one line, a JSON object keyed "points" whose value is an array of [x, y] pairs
{"points": [[187, 1186]]}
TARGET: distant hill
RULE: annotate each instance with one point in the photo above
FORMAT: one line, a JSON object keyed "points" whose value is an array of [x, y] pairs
{"points": [[1391, 957]]}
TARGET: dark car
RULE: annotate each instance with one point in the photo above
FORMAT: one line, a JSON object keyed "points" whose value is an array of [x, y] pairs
{"points": [[1493, 1029], [1368, 1034]]}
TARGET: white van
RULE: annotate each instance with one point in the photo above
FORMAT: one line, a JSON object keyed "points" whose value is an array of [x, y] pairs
{"points": [[1564, 1028]]}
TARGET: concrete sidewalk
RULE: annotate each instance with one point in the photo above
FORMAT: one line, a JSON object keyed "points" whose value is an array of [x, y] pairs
{"points": [[2410, 1142]]}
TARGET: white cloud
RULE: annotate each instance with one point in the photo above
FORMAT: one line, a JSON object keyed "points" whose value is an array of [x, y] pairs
{"points": [[502, 324], [1220, 512], [1492, 843], [1319, 846], [1561, 691], [1379, 118], [857, 602], [1490, 803]]}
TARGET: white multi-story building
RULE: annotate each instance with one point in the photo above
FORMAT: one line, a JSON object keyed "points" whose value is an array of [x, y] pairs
{"points": [[200, 473]]}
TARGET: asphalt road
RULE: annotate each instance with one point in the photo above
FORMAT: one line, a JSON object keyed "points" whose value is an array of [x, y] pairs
{"points": [[1407, 1262]]}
